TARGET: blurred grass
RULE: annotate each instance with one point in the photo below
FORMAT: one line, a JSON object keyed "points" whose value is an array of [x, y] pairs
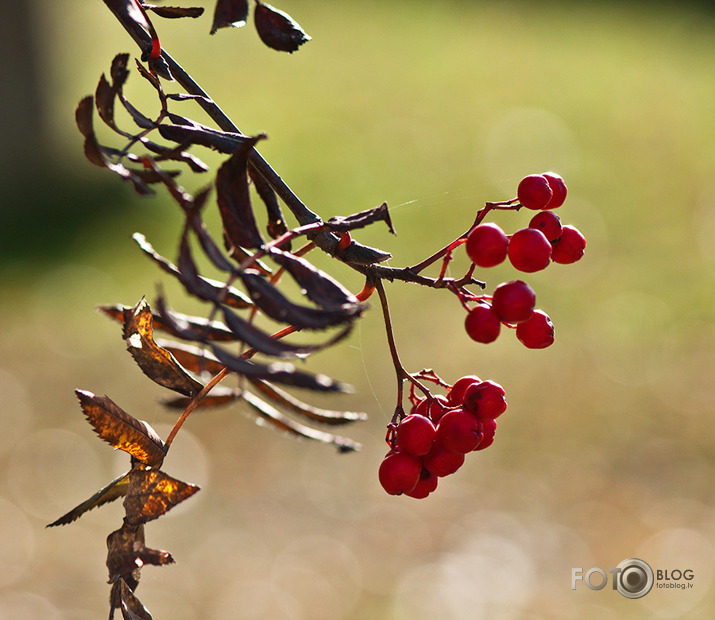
{"points": [[606, 452]]}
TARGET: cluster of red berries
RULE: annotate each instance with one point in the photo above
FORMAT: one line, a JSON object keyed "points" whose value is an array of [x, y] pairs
{"points": [[542, 241], [512, 304], [432, 441], [530, 249]]}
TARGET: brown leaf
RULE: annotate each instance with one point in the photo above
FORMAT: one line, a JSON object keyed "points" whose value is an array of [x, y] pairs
{"points": [[192, 358], [277, 29], [122, 431], [152, 493], [315, 414], [115, 489], [173, 12], [276, 221], [124, 599], [232, 13], [122, 560], [219, 397], [269, 414], [234, 200], [156, 363]]}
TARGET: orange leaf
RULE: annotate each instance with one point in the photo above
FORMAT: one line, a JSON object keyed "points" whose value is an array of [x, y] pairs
{"points": [[151, 493], [122, 431]]}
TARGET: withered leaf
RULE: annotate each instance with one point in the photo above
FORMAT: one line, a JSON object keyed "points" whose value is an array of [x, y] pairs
{"points": [[232, 13], [277, 306], [156, 363], [276, 221], [122, 560], [121, 430], [278, 372], [221, 141], [115, 489], [119, 72], [124, 599], [318, 286], [361, 219], [277, 29], [270, 415], [192, 358], [219, 397], [104, 97], [234, 200], [143, 122], [232, 296], [152, 493], [179, 325], [93, 151], [173, 12], [315, 414], [263, 342], [209, 246]]}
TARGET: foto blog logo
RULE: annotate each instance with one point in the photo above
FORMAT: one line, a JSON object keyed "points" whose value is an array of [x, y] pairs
{"points": [[633, 578]]}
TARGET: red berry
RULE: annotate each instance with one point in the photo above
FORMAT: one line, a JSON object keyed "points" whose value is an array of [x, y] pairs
{"points": [[433, 410], [513, 301], [441, 462], [399, 473], [570, 247], [529, 250], [482, 324], [427, 483], [485, 400], [456, 394], [534, 192], [487, 245], [558, 188], [537, 332], [415, 434], [489, 428], [459, 431], [548, 223]]}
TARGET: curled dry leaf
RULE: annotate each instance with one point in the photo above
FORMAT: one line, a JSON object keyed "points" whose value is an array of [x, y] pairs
{"points": [[229, 13], [276, 305], [152, 493], [115, 489], [122, 560], [174, 12], [234, 201], [121, 430], [314, 414], [125, 600], [156, 363], [277, 29], [317, 285], [270, 415]]}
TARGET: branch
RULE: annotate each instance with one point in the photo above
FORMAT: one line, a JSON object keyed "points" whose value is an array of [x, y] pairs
{"points": [[327, 242]]}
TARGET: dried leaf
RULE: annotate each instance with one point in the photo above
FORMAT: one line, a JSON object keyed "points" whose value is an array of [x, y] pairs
{"points": [[361, 219], [152, 493], [263, 342], [115, 489], [232, 296], [124, 599], [277, 29], [315, 414], [179, 325], [174, 12], [119, 72], [317, 285], [104, 98], [221, 141], [270, 415], [193, 358], [276, 221], [122, 560], [277, 306], [156, 363], [234, 200], [233, 13], [219, 397], [92, 150], [122, 431], [278, 372]]}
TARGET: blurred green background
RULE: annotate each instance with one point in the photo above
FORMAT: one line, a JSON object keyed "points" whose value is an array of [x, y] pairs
{"points": [[606, 450]]}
